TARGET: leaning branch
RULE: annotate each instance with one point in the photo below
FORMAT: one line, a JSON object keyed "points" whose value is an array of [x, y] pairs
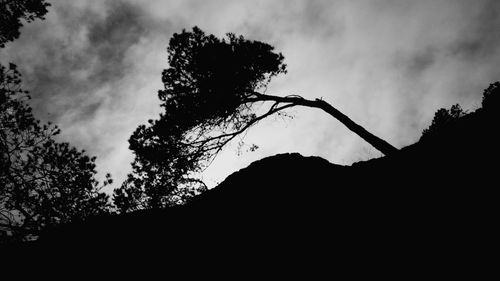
{"points": [[375, 141]]}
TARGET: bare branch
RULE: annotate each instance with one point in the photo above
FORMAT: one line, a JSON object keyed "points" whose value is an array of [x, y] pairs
{"points": [[375, 141]]}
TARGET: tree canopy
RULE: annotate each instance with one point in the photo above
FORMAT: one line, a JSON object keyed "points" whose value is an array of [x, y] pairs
{"points": [[42, 182], [12, 12], [212, 89], [491, 97], [443, 118]]}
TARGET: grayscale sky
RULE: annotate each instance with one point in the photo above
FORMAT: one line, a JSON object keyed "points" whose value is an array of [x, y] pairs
{"points": [[94, 68]]}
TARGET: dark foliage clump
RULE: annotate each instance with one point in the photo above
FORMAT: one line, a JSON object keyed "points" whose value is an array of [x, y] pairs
{"points": [[491, 97], [443, 118], [42, 182], [204, 101], [12, 12]]}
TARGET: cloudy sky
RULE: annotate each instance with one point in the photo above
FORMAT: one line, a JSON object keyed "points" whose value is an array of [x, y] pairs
{"points": [[94, 68]]}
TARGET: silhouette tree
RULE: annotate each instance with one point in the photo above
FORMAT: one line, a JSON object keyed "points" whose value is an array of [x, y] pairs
{"points": [[213, 89], [42, 182], [13, 11], [163, 172], [443, 118], [491, 97]]}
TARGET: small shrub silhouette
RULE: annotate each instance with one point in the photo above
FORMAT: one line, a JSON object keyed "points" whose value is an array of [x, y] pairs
{"points": [[443, 118]]}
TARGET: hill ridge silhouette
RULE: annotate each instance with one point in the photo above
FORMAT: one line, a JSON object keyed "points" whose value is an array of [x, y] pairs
{"points": [[434, 196]]}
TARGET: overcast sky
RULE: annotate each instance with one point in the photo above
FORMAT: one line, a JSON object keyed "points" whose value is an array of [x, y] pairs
{"points": [[94, 68]]}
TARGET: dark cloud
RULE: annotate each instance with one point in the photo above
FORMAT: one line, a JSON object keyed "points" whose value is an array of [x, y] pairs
{"points": [[79, 51], [319, 18], [111, 38], [419, 62], [447, 64], [482, 38]]}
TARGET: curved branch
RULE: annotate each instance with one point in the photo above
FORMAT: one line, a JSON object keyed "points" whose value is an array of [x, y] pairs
{"points": [[375, 141]]}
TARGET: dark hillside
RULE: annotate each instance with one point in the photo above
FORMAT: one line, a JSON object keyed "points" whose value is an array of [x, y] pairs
{"points": [[433, 203]]}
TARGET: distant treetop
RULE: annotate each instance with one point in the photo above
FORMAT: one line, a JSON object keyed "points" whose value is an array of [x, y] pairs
{"points": [[444, 118]]}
